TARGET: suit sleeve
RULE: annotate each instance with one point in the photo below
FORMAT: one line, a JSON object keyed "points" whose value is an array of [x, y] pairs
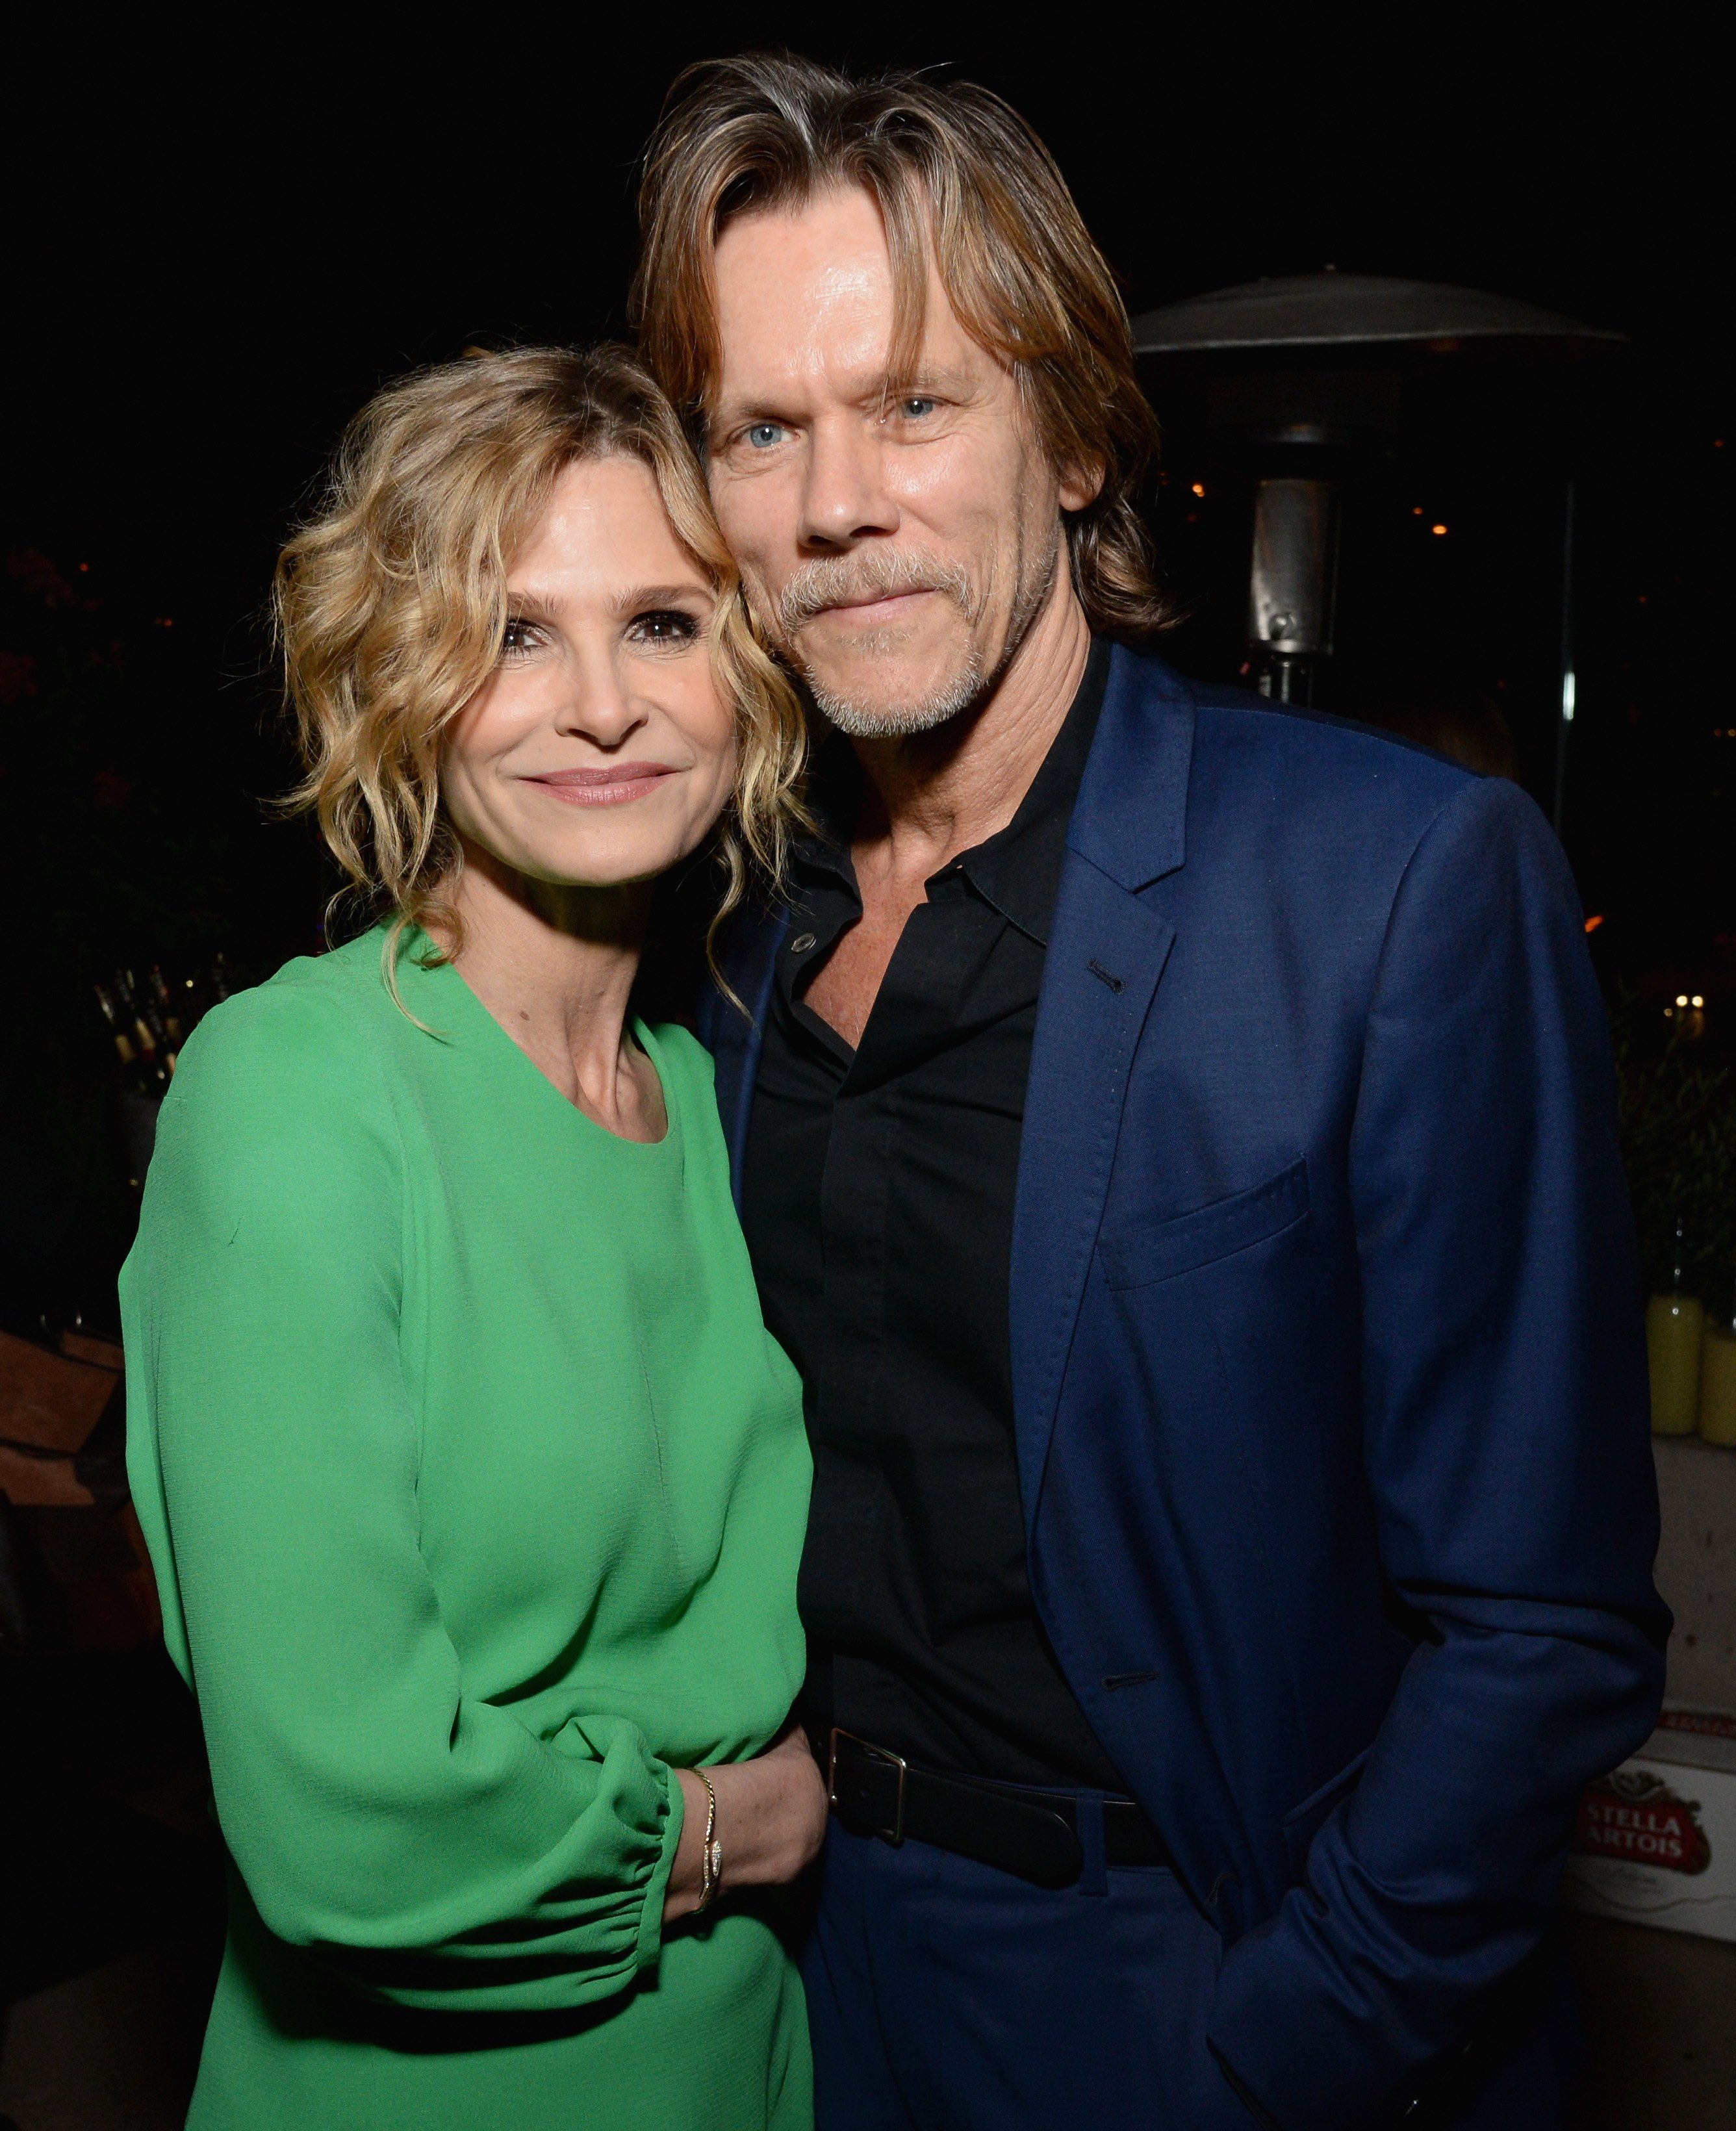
{"points": [[431, 1847], [1507, 1444]]}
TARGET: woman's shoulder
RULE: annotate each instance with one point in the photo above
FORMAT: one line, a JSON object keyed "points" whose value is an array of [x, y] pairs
{"points": [[283, 1089], [300, 1067], [317, 1019]]}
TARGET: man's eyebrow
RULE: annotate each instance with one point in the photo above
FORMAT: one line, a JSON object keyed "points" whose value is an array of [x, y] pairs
{"points": [[635, 599], [728, 413], [926, 378], [876, 390]]}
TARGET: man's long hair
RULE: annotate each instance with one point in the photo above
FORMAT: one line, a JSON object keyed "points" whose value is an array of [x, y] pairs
{"points": [[957, 175]]}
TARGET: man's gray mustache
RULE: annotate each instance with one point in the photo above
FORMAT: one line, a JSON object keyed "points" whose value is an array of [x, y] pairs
{"points": [[852, 579]]}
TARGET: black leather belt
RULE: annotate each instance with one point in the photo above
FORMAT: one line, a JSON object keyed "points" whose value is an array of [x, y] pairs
{"points": [[1033, 1834]]}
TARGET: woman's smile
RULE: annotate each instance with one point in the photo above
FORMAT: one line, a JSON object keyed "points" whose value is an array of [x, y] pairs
{"points": [[610, 784]]}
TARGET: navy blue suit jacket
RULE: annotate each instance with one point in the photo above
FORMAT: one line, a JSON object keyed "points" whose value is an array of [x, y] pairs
{"points": [[1329, 1380]]}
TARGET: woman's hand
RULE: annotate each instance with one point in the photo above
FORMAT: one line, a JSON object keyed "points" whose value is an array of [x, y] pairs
{"points": [[771, 1821]]}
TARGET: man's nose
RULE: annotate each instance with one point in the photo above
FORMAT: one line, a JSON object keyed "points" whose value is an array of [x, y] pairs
{"points": [[844, 497]]}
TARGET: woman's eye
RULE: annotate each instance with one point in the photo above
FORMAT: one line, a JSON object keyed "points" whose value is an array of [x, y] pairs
{"points": [[762, 436], [518, 638], [666, 625], [914, 407]]}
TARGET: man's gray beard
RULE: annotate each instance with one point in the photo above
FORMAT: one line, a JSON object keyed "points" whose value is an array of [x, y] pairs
{"points": [[863, 722], [823, 584]]}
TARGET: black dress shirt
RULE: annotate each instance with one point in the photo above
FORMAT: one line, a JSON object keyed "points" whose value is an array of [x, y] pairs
{"points": [[878, 1210]]}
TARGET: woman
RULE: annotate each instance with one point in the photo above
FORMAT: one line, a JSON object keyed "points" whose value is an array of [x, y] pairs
{"points": [[474, 1484]]}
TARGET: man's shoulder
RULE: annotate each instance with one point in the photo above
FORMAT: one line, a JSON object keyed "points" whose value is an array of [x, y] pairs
{"points": [[1226, 793], [1281, 760], [1321, 743]]}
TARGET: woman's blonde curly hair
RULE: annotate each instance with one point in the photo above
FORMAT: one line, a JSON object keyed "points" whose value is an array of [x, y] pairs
{"points": [[390, 605]]}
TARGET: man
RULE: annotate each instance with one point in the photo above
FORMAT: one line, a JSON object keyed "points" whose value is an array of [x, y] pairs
{"points": [[1174, 1135]]}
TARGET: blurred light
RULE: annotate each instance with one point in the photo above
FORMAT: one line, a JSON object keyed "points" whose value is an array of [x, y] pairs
{"points": [[1416, 510], [1570, 696], [83, 568], [1437, 528], [1697, 1000], [1669, 1014], [1681, 998], [1199, 488], [1593, 923]]}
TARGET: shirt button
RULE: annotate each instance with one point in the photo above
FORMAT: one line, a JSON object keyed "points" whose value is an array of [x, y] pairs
{"points": [[802, 942]]}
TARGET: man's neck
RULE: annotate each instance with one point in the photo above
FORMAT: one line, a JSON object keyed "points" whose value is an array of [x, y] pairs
{"points": [[933, 795], [929, 797]]}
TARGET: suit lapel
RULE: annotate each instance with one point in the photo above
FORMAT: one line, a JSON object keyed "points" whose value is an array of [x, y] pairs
{"points": [[1106, 954], [749, 961]]}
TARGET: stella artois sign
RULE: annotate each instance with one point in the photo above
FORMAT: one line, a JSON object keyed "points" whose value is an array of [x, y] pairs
{"points": [[1635, 1814], [1655, 1842]]}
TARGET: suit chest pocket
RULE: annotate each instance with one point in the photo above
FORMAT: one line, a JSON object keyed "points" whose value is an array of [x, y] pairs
{"points": [[1165, 1250]]}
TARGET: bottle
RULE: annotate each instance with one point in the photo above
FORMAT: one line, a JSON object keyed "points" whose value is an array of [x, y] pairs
{"points": [[151, 1013], [1675, 1332], [148, 1031], [123, 1048], [1718, 1380], [165, 1007], [142, 1072]]}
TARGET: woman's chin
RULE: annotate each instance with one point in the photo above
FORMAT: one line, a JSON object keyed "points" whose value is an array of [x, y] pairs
{"points": [[597, 864]]}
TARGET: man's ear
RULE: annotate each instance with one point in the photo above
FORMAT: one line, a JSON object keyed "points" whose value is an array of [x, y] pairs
{"points": [[1081, 484]]}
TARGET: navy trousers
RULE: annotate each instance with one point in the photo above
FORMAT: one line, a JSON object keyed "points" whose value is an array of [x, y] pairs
{"points": [[943, 1996]]}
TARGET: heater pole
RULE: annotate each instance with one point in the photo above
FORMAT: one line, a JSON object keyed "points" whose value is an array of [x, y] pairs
{"points": [[1565, 704]]}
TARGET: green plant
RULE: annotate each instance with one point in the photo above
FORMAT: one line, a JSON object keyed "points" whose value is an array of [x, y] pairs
{"points": [[1678, 1134]]}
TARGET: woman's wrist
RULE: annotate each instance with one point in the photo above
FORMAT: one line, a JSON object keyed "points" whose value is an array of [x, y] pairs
{"points": [[770, 1817], [682, 1890], [710, 1849]]}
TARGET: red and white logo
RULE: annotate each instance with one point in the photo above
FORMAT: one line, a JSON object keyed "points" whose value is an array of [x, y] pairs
{"points": [[1635, 1815]]}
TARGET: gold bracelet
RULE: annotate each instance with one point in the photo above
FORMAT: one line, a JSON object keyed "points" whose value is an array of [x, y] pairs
{"points": [[711, 1855]]}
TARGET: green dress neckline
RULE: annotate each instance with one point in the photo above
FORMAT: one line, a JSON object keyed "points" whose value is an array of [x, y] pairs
{"points": [[450, 983]]}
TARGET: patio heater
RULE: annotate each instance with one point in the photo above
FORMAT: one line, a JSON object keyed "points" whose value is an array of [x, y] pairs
{"points": [[1311, 377]]}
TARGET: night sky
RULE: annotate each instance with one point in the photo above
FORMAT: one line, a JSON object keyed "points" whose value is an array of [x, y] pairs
{"points": [[212, 261]]}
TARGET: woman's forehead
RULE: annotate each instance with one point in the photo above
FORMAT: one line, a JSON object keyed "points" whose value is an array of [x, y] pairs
{"points": [[603, 525]]}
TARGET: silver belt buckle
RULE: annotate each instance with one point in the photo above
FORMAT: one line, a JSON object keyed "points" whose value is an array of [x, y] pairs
{"points": [[896, 1834]]}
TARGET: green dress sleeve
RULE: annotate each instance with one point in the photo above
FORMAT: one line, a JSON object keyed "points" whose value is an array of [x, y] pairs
{"points": [[432, 1848]]}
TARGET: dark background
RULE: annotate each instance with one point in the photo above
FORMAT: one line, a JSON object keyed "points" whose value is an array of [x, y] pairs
{"points": [[213, 257]]}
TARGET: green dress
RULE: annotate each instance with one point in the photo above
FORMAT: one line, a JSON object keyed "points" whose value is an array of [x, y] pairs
{"points": [[475, 1489]]}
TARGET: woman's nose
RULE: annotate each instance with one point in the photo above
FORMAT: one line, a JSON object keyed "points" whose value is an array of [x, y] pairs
{"points": [[596, 703]]}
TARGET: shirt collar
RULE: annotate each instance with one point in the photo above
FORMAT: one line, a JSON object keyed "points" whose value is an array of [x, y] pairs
{"points": [[1018, 870]]}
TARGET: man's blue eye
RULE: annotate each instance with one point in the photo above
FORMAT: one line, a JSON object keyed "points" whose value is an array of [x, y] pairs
{"points": [[763, 435], [913, 409]]}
